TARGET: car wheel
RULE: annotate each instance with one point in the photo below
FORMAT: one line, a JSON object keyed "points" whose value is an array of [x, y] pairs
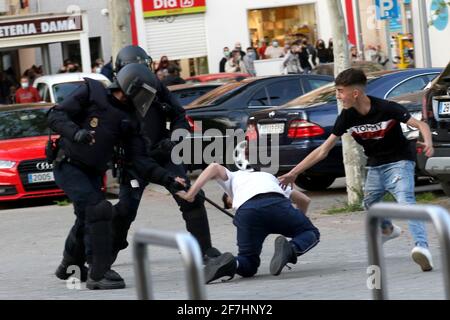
{"points": [[240, 162], [316, 183]]}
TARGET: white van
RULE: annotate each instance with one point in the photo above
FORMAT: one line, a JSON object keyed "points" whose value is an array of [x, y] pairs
{"points": [[53, 88]]}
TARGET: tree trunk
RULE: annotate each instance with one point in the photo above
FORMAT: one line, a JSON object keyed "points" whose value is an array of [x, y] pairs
{"points": [[354, 158], [119, 15]]}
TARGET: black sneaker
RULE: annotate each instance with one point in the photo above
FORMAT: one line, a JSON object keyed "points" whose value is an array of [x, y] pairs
{"points": [[62, 273], [224, 265], [111, 280], [284, 253], [210, 253]]}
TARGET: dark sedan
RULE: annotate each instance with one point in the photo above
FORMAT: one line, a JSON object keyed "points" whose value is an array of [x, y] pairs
{"points": [[305, 123], [218, 115]]}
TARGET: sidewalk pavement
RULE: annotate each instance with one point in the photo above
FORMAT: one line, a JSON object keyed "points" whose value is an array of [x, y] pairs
{"points": [[33, 238]]}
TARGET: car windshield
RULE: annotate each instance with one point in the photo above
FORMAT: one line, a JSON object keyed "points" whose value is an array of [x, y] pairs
{"points": [[23, 123], [219, 94]]}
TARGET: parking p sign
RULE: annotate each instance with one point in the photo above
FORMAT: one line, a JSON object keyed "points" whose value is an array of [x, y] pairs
{"points": [[386, 9]]}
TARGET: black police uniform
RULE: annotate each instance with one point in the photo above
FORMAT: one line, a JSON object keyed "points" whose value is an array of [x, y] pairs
{"points": [[164, 108], [80, 167]]}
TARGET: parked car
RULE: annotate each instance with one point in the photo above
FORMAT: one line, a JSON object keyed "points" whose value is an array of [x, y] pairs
{"points": [[24, 172], [305, 123], [413, 102], [53, 88], [366, 66], [221, 77], [186, 93], [229, 106], [436, 112]]}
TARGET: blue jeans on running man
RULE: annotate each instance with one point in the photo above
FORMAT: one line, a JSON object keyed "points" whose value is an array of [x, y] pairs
{"points": [[397, 178]]}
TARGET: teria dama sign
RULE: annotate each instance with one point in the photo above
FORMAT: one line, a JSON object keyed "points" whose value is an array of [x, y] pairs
{"points": [[157, 8], [23, 28]]}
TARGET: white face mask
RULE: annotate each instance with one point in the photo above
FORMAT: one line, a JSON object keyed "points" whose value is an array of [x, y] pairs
{"points": [[275, 44], [98, 70], [24, 85]]}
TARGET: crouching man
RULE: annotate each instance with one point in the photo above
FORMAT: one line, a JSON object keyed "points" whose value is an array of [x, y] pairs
{"points": [[263, 208]]}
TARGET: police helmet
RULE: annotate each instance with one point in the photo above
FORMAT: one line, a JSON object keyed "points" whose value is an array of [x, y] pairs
{"points": [[139, 84], [132, 54]]}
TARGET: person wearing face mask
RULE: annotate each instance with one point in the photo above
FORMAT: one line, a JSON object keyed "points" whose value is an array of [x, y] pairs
{"points": [[98, 65], [27, 93], [274, 51], [249, 59], [223, 61]]}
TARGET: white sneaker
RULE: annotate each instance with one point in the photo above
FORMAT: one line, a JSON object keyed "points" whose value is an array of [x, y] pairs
{"points": [[396, 231], [422, 257]]}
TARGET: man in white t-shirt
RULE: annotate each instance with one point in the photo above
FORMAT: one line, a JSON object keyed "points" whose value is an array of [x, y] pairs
{"points": [[263, 208]]}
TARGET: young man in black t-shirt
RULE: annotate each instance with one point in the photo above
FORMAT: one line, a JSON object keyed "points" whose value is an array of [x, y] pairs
{"points": [[375, 124]]}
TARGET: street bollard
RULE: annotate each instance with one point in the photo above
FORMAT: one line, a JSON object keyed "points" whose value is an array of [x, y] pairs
{"points": [[437, 215], [190, 253]]}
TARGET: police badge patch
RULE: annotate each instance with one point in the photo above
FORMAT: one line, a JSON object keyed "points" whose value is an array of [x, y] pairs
{"points": [[94, 122]]}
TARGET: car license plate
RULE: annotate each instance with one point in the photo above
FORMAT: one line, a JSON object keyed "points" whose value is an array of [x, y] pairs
{"points": [[444, 108], [40, 177], [272, 128]]}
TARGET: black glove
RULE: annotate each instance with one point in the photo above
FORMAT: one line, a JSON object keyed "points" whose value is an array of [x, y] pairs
{"points": [[83, 136], [172, 185], [166, 145]]}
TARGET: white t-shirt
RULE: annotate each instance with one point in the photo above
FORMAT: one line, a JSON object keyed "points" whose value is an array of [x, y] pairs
{"points": [[243, 185]]}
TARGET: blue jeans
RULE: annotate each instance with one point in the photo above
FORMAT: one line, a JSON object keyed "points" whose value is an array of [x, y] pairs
{"points": [[257, 218], [397, 178]]}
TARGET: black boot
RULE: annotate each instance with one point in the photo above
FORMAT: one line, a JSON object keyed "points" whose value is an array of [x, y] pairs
{"points": [[64, 274], [224, 265], [99, 225], [284, 253], [110, 280]]}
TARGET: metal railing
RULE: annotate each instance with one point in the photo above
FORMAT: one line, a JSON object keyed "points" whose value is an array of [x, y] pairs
{"points": [[190, 253], [437, 215]]}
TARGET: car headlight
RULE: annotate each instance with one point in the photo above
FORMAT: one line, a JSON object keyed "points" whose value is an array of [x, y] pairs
{"points": [[6, 164]]}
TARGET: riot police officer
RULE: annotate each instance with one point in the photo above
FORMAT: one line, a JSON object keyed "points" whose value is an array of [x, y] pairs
{"points": [[91, 121], [165, 107]]}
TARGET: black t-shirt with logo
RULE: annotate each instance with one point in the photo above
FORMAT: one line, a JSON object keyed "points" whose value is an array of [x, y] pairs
{"points": [[379, 131]]}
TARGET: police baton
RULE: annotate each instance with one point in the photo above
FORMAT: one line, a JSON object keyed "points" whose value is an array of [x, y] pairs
{"points": [[216, 205], [188, 185]]}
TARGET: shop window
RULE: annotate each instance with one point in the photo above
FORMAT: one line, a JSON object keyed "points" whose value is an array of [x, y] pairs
{"points": [[285, 24]]}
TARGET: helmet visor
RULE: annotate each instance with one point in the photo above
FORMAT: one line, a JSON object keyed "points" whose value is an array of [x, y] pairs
{"points": [[142, 98]]}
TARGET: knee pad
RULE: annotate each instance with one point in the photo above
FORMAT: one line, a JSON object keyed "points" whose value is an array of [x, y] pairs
{"points": [[102, 211]]}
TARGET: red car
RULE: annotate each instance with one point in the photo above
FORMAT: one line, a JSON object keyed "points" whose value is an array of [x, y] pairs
{"points": [[218, 77], [24, 172]]}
